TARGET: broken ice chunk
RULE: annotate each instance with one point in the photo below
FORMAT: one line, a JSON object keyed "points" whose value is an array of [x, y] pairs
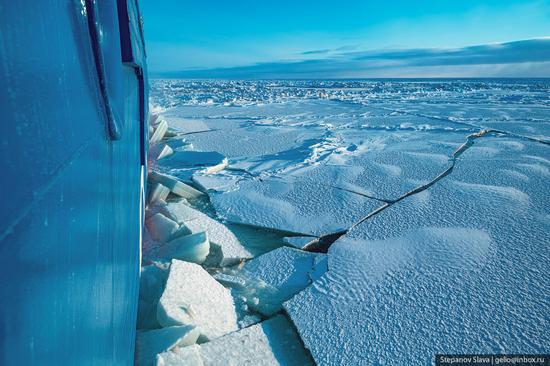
{"points": [[154, 209], [229, 249], [222, 240], [190, 248], [193, 297], [166, 151], [157, 193], [185, 356], [161, 228], [157, 152], [216, 168], [177, 187], [279, 275], [151, 285], [153, 117], [152, 342], [160, 130], [270, 343]]}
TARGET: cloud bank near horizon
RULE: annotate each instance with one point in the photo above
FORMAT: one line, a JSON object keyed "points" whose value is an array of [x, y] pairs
{"points": [[525, 58]]}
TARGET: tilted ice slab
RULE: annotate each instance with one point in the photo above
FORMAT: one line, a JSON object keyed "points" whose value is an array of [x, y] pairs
{"points": [[160, 131], [270, 343], [222, 240], [193, 297], [157, 152], [157, 193], [152, 342], [458, 268], [278, 275], [174, 185]]}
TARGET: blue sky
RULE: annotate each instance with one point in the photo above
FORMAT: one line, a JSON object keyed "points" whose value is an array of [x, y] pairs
{"points": [[347, 38]]}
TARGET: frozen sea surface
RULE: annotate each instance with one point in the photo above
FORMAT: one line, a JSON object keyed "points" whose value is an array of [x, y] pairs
{"points": [[460, 265]]}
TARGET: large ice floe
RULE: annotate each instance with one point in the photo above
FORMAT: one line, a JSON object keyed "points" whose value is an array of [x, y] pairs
{"points": [[345, 222]]}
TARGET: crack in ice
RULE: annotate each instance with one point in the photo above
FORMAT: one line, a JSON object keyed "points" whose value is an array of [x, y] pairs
{"points": [[323, 243]]}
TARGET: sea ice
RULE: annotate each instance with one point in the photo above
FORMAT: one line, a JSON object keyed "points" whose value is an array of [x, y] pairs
{"points": [[459, 267], [187, 125], [166, 151], [189, 158], [157, 152], [229, 280], [281, 273], [180, 212], [190, 248], [271, 342], [215, 182], [151, 285], [161, 228], [157, 193], [216, 168], [193, 297], [228, 249], [186, 356], [301, 204], [174, 185], [160, 130], [152, 342], [429, 270]]}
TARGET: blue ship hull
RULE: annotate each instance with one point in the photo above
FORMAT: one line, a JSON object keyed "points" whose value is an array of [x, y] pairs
{"points": [[72, 147]]}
